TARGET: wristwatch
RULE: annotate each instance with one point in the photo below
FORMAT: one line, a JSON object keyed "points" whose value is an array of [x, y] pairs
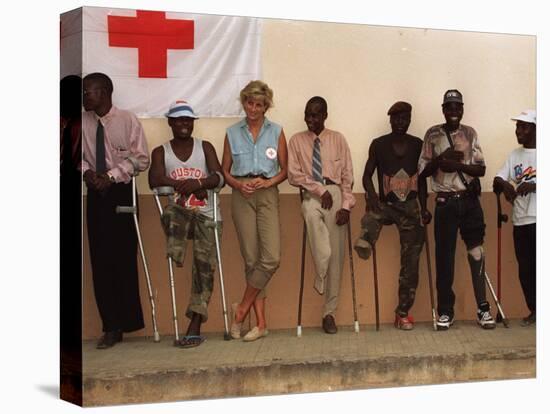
{"points": [[111, 177]]}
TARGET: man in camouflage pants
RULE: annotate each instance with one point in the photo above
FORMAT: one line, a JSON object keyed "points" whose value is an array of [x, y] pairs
{"points": [[395, 157], [189, 165], [181, 225]]}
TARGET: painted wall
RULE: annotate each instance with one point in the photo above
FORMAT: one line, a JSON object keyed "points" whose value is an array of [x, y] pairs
{"points": [[361, 71]]}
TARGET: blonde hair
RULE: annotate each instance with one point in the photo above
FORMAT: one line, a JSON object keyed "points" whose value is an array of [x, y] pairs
{"points": [[258, 90]]}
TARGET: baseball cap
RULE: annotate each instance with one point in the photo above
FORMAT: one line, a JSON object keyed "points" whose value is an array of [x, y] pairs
{"points": [[529, 115], [452, 95], [181, 108]]}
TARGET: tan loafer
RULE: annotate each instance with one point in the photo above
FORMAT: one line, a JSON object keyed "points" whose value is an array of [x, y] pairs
{"points": [[236, 327], [255, 333]]}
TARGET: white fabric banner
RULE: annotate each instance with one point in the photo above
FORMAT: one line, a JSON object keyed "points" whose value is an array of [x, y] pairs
{"points": [[155, 58]]}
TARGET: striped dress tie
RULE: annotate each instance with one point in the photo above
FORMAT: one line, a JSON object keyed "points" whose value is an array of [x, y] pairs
{"points": [[317, 167]]}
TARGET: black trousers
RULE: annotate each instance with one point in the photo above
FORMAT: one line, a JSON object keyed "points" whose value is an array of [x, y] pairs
{"points": [[113, 253], [451, 215], [525, 244]]}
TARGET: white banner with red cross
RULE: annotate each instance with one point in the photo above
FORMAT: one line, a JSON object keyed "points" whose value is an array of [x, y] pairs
{"points": [[155, 57]]}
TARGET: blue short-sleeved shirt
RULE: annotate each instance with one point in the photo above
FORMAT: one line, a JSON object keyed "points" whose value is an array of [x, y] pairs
{"points": [[254, 158]]}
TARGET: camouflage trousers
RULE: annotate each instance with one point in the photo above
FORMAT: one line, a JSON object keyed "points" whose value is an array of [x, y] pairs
{"points": [[180, 225], [406, 216]]}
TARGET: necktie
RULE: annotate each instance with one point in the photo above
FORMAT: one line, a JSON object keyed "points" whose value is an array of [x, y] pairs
{"points": [[317, 167], [100, 163]]}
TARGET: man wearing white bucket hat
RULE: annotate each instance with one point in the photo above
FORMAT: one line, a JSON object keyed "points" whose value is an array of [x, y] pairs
{"points": [[191, 166], [517, 179]]}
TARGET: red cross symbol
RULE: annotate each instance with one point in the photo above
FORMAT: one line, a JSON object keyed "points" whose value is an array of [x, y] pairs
{"points": [[152, 34]]}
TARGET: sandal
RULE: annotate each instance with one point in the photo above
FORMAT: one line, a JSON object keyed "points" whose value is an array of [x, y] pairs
{"points": [[191, 341]]}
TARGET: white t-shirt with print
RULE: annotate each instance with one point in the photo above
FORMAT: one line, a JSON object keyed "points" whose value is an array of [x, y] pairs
{"points": [[521, 167]]}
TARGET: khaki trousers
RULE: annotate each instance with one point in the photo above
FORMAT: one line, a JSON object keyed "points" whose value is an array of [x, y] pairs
{"points": [[256, 220], [327, 243]]}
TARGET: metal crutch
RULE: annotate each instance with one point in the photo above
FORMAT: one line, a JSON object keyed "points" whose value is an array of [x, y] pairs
{"points": [[501, 218], [375, 276], [499, 306], [356, 322], [133, 210], [304, 237], [226, 335], [158, 192], [430, 280]]}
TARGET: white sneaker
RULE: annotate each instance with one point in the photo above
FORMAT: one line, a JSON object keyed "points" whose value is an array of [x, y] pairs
{"points": [[485, 320], [444, 322]]}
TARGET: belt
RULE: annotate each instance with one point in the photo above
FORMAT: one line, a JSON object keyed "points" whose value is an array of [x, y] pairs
{"points": [[453, 194], [328, 181]]}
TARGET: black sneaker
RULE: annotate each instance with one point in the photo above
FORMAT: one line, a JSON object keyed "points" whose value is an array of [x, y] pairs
{"points": [[444, 322], [485, 320], [529, 320]]}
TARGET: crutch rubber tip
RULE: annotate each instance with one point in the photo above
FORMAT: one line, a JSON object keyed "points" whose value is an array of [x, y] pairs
{"points": [[299, 331], [157, 337], [226, 337], [357, 326], [506, 323]]}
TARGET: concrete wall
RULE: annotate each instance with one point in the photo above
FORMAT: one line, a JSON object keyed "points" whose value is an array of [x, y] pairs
{"points": [[360, 70], [282, 303]]}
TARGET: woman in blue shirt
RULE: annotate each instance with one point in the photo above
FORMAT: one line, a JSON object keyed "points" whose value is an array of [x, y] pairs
{"points": [[254, 163]]}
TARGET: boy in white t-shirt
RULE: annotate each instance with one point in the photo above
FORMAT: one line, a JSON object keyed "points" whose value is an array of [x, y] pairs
{"points": [[521, 169]]}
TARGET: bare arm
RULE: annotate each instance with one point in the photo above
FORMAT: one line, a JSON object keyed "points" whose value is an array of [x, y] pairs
{"points": [[370, 192], [157, 172], [158, 177], [213, 165], [282, 156]]}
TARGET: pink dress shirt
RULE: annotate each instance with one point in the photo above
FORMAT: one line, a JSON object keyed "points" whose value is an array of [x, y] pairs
{"points": [[125, 143], [335, 158]]}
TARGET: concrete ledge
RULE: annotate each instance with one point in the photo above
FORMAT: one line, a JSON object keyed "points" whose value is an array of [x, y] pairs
{"points": [[265, 372]]}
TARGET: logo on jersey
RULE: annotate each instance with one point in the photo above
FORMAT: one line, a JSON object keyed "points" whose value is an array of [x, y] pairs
{"points": [[191, 201], [401, 184], [271, 153], [526, 174], [183, 173]]}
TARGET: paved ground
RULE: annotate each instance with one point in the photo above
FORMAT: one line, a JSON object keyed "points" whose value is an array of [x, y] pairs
{"points": [[138, 356]]}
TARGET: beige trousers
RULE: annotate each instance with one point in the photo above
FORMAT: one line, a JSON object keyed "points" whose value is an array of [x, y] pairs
{"points": [[256, 220], [327, 243]]}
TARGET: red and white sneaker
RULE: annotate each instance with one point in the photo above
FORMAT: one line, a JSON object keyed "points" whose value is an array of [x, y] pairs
{"points": [[404, 322]]}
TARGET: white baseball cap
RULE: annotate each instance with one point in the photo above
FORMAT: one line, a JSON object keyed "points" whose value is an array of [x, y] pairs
{"points": [[529, 115], [181, 108]]}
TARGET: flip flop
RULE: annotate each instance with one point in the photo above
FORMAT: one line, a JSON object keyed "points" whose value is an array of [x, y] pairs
{"points": [[191, 341]]}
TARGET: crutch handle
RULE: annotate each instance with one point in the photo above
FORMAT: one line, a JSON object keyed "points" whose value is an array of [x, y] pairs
{"points": [[163, 191]]}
